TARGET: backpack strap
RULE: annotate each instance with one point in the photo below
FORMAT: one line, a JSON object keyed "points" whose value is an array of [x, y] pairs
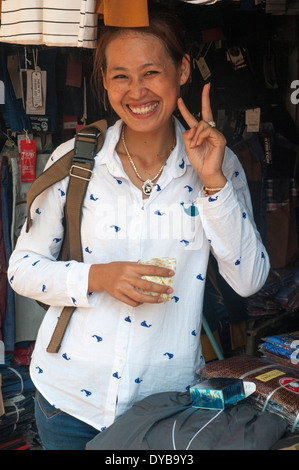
{"points": [[63, 166], [78, 164]]}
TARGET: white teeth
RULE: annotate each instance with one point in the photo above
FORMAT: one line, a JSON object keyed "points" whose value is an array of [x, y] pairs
{"points": [[143, 109]]}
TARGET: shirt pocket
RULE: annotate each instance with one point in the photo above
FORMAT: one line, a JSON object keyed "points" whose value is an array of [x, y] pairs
{"points": [[187, 226]]}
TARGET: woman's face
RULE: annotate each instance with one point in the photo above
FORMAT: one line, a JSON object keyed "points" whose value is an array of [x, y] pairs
{"points": [[142, 82]]}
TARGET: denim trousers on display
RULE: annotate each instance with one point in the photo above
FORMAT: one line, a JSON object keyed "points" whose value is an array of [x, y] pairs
{"points": [[58, 430]]}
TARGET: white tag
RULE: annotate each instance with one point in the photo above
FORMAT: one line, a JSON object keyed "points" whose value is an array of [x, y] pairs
{"points": [[36, 92], [252, 119], [203, 68], [37, 97]]}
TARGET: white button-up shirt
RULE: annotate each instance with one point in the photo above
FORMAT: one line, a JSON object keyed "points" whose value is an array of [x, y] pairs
{"points": [[112, 354]]}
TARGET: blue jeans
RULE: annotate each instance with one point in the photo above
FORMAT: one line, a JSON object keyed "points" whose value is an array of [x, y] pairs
{"points": [[58, 430]]}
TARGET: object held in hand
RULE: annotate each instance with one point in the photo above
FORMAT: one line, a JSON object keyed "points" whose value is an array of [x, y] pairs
{"points": [[169, 263]]}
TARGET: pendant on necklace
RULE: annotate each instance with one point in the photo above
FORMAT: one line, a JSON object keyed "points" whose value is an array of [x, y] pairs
{"points": [[147, 187]]}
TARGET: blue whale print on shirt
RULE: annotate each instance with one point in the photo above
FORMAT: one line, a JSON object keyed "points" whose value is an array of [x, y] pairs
{"points": [[237, 262], [62, 193], [65, 356], [138, 380], [87, 250], [169, 355], [128, 319], [116, 375], [116, 228], [192, 210], [93, 198], [212, 199], [37, 211], [39, 370], [87, 393], [143, 323], [199, 276], [188, 187], [182, 164], [98, 338], [35, 262]]}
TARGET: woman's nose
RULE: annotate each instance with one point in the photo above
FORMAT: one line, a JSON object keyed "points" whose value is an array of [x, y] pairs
{"points": [[137, 88]]}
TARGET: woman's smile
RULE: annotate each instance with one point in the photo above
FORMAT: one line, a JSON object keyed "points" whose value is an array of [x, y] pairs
{"points": [[143, 109]]}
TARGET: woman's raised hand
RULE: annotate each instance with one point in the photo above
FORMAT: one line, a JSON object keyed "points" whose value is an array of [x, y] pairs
{"points": [[204, 145]]}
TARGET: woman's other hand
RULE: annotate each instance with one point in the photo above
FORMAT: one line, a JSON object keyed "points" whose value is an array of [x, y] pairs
{"points": [[204, 145]]}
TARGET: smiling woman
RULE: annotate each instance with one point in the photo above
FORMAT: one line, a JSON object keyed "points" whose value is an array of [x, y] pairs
{"points": [[158, 191]]}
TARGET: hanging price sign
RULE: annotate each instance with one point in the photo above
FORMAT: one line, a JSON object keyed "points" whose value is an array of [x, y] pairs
{"points": [[28, 160]]}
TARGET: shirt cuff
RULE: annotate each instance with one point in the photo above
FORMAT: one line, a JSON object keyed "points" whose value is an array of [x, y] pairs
{"points": [[219, 203], [77, 285]]}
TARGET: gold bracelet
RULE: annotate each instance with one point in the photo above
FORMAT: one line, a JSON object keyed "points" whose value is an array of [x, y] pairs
{"points": [[206, 190]]}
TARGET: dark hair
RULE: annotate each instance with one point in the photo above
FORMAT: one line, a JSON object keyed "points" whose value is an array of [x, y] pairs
{"points": [[163, 25]]}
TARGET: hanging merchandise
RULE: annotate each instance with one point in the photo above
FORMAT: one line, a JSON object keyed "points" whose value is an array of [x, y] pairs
{"points": [[36, 88], [28, 159], [72, 23]]}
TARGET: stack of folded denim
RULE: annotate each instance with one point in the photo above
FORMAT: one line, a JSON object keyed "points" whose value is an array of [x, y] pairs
{"points": [[17, 423], [284, 348]]}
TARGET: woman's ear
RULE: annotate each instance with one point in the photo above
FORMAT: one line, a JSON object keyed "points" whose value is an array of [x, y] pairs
{"points": [[184, 69]]}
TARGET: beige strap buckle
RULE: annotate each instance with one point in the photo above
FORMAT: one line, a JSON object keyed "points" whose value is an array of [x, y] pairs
{"points": [[88, 178]]}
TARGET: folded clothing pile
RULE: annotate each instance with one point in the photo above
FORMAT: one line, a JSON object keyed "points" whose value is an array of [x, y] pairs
{"points": [[17, 422], [284, 348], [277, 385]]}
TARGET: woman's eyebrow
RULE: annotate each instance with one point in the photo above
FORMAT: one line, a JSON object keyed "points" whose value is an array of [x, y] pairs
{"points": [[122, 69]]}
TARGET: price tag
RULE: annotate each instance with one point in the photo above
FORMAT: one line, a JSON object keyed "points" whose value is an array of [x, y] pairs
{"points": [[203, 68], [252, 119], [37, 97], [36, 92], [28, 160]]}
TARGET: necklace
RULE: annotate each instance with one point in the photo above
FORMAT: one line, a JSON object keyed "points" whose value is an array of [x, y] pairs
{"points": [[148, 184]]}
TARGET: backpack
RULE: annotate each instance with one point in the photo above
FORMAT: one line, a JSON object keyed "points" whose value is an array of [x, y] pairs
{"points": [[78, 164]]}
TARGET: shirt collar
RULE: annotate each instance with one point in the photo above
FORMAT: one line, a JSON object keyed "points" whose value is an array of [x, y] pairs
{"points": [[176, 163]]}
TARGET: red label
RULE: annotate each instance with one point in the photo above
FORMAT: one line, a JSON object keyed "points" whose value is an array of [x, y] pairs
{"points": [[28, 159], [290, 384]]}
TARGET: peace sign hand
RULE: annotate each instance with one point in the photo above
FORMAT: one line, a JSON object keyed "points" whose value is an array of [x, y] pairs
{"points": [[204, 144]]}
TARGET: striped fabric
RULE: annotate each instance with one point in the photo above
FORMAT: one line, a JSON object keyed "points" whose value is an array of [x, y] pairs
{"points": [[71, 23]]}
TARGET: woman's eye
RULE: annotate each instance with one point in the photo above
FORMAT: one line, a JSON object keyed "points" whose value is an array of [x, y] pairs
{"points": [[151, 72], [119, 77]]}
